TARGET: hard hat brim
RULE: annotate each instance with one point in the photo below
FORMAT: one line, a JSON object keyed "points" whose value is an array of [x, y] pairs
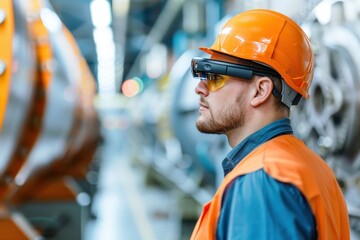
{"points": [[207, 50]]}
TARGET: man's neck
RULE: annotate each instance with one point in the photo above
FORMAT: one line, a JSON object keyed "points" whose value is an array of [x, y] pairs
{"points": [[251, 125]]}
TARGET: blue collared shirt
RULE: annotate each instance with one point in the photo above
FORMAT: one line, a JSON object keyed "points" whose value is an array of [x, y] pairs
{"points": [[256, 206]]}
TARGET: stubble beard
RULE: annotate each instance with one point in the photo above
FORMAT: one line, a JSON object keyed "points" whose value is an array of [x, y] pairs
{"points": [[228, 119]]}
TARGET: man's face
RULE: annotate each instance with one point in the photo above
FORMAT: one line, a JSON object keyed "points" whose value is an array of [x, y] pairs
{"points": [[224, 109], [219, 118]]}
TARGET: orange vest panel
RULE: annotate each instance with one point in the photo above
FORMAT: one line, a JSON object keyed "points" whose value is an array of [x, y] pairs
{"points": [[287, 159]]}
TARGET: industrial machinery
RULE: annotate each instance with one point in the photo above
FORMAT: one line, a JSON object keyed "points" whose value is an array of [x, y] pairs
{"points": [[49, 127], [329, 121]]}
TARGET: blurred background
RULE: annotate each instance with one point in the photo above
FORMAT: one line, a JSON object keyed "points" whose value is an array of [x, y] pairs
{"points": [[98, 110]]}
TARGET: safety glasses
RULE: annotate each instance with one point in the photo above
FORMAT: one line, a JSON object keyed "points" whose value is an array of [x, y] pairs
{"points": [[214, 81], [217, 73]]}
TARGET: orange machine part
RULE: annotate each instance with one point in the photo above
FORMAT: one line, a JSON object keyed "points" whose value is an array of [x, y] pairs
{"points": [[48, 183], [44, 189], [6, 33], [13, 226], [86, 130], [32, 127]]}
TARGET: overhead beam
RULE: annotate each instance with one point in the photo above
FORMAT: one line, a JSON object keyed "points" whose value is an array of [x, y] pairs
{"points": [[158, 31]]}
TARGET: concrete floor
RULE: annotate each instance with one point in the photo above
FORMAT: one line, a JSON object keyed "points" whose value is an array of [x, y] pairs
{"points": [[124, 206]]}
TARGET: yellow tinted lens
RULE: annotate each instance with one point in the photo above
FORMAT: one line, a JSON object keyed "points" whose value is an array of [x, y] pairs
{"points": [[216, 81]]}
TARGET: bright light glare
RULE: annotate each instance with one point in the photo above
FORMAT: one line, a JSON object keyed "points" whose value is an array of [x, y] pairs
{"points": [[105, 50], [323, 13], [103, 36], [51, 21], [130, 88], [140, 82], [156, 61], [100, 13]]}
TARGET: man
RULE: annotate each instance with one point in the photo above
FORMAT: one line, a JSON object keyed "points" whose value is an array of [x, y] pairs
{"points": [[274, 187]]}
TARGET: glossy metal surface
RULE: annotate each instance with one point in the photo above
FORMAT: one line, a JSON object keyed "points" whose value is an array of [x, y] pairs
{"points": [[62, 100], [328, 121], [21, 89]]}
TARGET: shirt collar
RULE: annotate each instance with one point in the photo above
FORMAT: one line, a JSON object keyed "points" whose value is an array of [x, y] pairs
{"points": [[274, 129]]}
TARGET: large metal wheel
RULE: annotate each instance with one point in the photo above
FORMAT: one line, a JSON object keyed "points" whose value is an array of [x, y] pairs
{"points": [[329, 121], [61, 104], [21, 88]]}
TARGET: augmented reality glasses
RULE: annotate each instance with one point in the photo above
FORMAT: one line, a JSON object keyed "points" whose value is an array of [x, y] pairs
{"points": [[217, 72]]}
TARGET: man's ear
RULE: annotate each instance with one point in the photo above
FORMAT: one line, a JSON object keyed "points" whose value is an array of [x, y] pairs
{"points": [[263, 88]]}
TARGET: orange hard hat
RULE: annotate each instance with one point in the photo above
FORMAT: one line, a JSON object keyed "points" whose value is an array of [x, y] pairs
{"points": [[271, 38]]}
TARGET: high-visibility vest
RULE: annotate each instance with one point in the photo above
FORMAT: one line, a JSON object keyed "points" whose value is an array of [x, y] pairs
{"points": [[287, 159]]}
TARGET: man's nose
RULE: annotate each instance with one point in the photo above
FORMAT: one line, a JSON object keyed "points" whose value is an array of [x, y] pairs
{"points": [[201, 88]]}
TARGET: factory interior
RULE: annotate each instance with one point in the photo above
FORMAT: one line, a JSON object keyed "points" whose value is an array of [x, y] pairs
{"points": [[97, 113]]}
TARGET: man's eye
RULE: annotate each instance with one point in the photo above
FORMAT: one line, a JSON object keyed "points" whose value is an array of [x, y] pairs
{"points": [[214, 77]]}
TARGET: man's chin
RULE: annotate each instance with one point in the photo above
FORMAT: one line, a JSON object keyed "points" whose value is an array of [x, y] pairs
{"points": [[205, 128], [202, 127]]}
